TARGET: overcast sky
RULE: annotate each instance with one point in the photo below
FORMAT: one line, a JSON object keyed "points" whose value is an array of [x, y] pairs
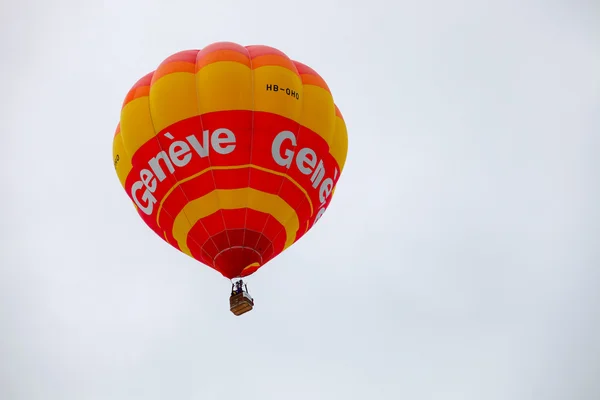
{"points": [[459, 258]]}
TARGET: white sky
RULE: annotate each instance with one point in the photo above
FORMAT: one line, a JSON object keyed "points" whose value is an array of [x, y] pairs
{"points": [[458, 260]]}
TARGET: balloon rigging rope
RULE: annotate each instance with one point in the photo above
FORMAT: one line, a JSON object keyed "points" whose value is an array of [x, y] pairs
{"points": [[174, 178], [251, 153], [286, 176], [211, 170]]}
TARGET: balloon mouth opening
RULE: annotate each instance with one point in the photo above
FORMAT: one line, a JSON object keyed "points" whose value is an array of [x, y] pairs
{"points": [[254, 264], [238, 262], [249, 269]]}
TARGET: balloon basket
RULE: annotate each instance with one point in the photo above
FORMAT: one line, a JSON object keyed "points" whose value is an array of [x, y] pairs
{"points": [[240, 303]]}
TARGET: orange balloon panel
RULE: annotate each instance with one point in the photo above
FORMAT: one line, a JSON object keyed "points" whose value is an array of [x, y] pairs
{"points": [[230, 153]]}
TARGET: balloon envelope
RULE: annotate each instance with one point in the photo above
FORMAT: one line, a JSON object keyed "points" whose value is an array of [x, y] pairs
{"points": [[230, 153]]}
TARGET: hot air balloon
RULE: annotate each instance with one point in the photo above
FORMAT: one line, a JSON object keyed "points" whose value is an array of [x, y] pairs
{"points": [[230, 154]]}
